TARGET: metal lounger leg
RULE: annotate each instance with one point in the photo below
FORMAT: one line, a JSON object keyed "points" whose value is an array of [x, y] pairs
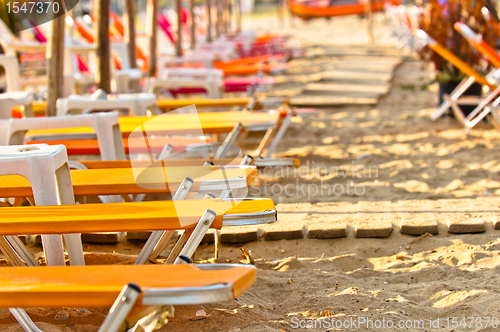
{"points": [[455, 94], [471, 119], [156, 236], [216, 243], [10, 253], [197, 235], [177, 248], [21, 250], [247, 160], [229, 141], [165, 152], [121, 308], [24, 320], [167, 235], [280, 133]]}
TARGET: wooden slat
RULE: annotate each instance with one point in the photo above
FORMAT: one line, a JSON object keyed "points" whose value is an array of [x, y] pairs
{"points": [[99, 285], [120, 217], [133, 145], [118, 181], [166, 105], [172, 124]]}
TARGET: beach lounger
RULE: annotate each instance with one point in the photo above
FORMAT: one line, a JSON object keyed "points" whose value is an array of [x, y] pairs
{"points": [[472, 76], [126, 289], [232, 122], [258, 162], [107, 143], [164, 105], [490, 103], [195, 217], [147, 180]]}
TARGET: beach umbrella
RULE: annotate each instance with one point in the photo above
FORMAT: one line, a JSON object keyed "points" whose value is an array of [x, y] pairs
{"points": [[55, 61]]}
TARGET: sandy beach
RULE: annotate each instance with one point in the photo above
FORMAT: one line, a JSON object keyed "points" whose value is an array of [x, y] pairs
{"points": [[379, 164]]}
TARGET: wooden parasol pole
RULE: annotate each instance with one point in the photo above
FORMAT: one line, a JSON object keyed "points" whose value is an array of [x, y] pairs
{"points": [[237, 13], [369, 18], [226, 15], [178, 40], [152, 19], [129, 31], [55, 62], [218, 23], [193, 24], [209, 21], [103, 76]]}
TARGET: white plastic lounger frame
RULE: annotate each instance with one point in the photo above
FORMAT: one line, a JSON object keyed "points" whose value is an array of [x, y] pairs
{"points": [[137, 103], [105, 125]]}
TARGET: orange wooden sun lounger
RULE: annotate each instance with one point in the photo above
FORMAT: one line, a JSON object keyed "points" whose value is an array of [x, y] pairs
{"points": [[156, 144], [165, 105], [119, 181], [92, 164], [98, 286], [181, 124], [123, 217], [127, 289]]}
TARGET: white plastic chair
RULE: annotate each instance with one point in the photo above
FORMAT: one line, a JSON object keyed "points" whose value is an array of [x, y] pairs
{"points": [[46, 168]]}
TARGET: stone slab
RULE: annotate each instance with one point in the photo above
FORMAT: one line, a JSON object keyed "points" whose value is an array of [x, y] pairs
{"points": [[356, 75], [102, 238], [374, 219], [325, 231], [289, 226], [359, 88], [464, 226], [418, 227], [239, 234], [304, 100], [138, 236]]}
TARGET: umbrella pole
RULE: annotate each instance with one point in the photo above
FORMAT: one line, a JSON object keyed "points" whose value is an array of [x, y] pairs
{"points": [[152, 19], [129, 31], [55, 63], [103, 76], [209, 21], [178, 41], [193, 24], [237, 12]]}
